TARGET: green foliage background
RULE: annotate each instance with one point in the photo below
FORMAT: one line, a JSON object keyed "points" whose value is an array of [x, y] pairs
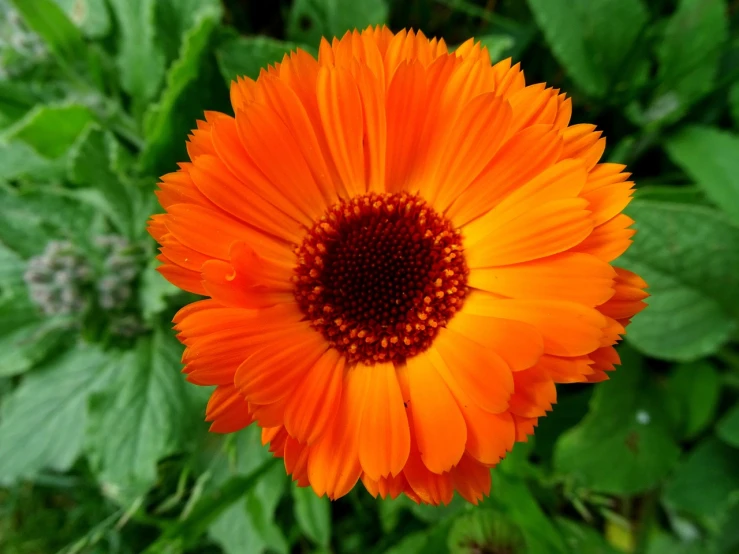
{"points": [[102, 444]]}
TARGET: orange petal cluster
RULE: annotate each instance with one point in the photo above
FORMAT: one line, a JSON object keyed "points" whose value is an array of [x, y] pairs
{"points": [[541, 223]]}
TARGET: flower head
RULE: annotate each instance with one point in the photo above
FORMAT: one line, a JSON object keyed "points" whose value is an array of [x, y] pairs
{"points": [[404, 249]]}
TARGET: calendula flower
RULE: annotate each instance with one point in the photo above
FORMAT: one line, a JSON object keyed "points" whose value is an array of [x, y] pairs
{"points": [[404, 249]]}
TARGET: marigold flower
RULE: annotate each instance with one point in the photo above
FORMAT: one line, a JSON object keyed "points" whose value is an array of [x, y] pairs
{"points": [[404, 249]]}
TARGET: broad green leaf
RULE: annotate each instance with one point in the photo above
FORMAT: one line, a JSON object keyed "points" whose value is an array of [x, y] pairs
{"points": [[734, 104], [597, 41], [44, 420], [662, 543], [685, 255], [51, 130], [47, 19], [246, 56], [208, 509], [710, 157], [414, 543], [140, 60], [154, 292], [91, 162], [689, 54], [728, 427], [166, 123], [484, 530], [12, 267], [313, 514], [705, 481], [91, 16], [143, 416], [19, 161], [26, 337], [629, 424], [499, 46], [174, 19], [309, 20], [583, 538], [248, 525], [16, 100], [512, 494], [694, 391], [672, 193]]}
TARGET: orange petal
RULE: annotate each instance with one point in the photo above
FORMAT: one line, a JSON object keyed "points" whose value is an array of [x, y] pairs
{"points": [[569, 329], [518, 343], [384, 432], [524, 427], [296, 461], [438, 425], [471, 479], [534, 392], [228, 410], [489, 436], [566, 370], [273, 371], [431, 488], [316, 399], [481, 374], [568, 276], [609, 240], [628, 299], [333, 465]]}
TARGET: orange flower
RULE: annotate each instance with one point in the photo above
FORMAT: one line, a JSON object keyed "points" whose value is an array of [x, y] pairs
{"points": [[404, 250]]}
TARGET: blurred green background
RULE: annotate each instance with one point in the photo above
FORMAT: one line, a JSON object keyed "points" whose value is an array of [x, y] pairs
{"points": [[102, 444]]}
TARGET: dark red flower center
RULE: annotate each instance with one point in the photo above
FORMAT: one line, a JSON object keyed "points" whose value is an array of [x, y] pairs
{"points": [[379, 274]]}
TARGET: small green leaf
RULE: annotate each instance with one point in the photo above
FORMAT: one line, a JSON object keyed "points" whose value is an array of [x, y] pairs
{"points": [[734, 104], [163, 121], [248, 525], [91, 161], [672, 193], [705, 481], [47, 19], [499, 46], [595, 40], [685, 255], [44, 420], [140, 60], [309, 20], [694, 393], [91, 16], [689, 54], [628, 422], [710, 157], [51, 130], [154, 292], [728, 427], [19, 161], [313, 515], [246, 56], [143, 416]]}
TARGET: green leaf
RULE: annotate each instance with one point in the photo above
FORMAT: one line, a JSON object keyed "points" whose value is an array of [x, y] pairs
{"points": [[313, 514], [91, 16], [705, 481], [140, 60], [47, 19], [163, 122], [728, 427], [672, 193], [44, 420], [683, 253], [689, 54], [20, 161], [499, 46], [309, 20], [709, 156], [484, 530], [248, 525], [26, 338], [143, 416], [246, 56], [51, 130], [694, 393], [582, 538], [91, 162], [628, 423], [597, 41], [154, 292], [734, 104], [208, 509]]}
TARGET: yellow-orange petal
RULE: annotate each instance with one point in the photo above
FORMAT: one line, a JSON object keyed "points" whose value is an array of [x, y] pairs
{"points": [[384, 432], [534, 392], [227, 410], [567, 276], [489, 436], [519, 344], [430, 488], [438, 425], [316, 399], [471, 479]]}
